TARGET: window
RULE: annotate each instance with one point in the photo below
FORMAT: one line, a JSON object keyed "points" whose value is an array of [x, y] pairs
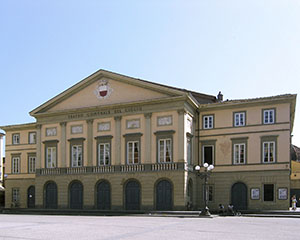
{"points": [[239, 119], [15, 164], [208, 154], [133, 152], [268, 152], [50, 157], [269, 116], [165, 150], [16, 138], [76, 155], [32, 137], [15, 195], [189, 150], [103, 154], [208, 122], [31, 164], [133, 148], [239, 153], [209, 193], [268, 192]]}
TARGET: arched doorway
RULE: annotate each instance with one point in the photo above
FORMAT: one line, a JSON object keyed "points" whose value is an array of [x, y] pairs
{"points": [[132, 195], [31, 197], [51, 195], [76, 195], [239, 196], [103, 196], [164, 195]]}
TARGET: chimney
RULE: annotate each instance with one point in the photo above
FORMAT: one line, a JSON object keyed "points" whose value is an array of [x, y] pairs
{"points": [[220, 97]]}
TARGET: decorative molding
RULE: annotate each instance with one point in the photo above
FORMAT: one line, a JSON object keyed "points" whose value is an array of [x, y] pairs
{"points": [[118, 118]]}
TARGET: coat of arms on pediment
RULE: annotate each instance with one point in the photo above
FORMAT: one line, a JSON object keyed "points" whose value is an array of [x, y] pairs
{"points": [[103, 90]]}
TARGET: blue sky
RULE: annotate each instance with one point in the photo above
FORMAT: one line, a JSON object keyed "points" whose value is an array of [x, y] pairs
{"points": [[245, 49]]}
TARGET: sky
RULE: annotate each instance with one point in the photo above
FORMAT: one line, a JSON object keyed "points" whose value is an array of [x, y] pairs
{"points": [[246, 49]]}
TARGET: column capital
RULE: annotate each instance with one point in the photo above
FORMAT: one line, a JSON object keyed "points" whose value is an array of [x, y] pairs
{"points": [[148, 115], [118, 118], [90, 121], [39, 126], [181, 111], [63, 124]]}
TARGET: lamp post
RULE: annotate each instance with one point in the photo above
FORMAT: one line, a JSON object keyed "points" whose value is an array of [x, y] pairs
{"points": [[205, 175]]}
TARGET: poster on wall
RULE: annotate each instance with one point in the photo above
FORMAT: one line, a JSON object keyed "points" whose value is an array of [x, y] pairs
{"points": [[255, 193], [282, 193]]}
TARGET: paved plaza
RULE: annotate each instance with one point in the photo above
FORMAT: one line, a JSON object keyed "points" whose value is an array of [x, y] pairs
{"points": [[144, 227]]}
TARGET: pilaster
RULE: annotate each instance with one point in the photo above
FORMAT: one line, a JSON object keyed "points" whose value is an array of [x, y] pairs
{"points": [[118, 140], [90, 142]]}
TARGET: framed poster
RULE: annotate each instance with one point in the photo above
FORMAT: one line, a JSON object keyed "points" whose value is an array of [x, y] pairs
{"points": [[255, 193], [282, 193]]}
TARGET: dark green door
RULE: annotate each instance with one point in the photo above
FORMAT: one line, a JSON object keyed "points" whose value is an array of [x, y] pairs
{"points": [[239, 196], [76, 195], [132, 196], [164, 195], [51, 195], [31, 197], [103, 196]]}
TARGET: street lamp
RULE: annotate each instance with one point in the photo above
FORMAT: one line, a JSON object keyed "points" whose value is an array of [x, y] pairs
{"points": [[205, 175]]}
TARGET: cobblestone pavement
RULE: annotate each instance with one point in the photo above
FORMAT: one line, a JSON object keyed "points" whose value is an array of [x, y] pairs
{"points": [[144, 227]]}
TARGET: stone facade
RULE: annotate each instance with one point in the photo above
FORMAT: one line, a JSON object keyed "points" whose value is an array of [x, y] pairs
{"points": [[113, 142]]}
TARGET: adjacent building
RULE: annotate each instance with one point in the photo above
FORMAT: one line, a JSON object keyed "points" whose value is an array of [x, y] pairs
{"points": [[113, 142]]}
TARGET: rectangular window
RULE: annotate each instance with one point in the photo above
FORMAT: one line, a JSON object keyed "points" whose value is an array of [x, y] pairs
{"points": [[15, 165], [268, 192], [51, 157], [103, 154], [269, 116], [239, 153], [239, 119], [165, 150], [208, 122], [76, 155], [32, 138], [268, 152], [208, 154], [16, 138], [209, 193], [31, 164], [133, 152], [189, 150], [15, 195]]}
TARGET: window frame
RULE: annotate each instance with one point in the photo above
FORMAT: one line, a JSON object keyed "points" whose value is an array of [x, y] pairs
{"points": [[241, 113], [16, 164], [238, 161], [163, 136], [269, 139], [51, 144], [239, 141], [29, 139], [31, 165], [15, 195], [103, 140], [130, 138], [189, 150], [76, 142], [206, 144], [16, 141], [264, 111], [205, 118]]}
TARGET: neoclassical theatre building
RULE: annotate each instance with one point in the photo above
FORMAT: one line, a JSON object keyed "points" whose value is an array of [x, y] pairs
{"points": [[113, 142]]}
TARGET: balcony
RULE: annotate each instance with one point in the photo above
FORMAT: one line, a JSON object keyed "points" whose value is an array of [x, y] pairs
{"points": [[112, 169]]}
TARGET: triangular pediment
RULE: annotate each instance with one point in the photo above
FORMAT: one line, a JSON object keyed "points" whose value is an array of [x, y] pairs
{"points": [[105, 88]]}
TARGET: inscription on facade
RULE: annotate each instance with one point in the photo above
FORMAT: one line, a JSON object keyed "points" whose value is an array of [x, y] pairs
{"points": [[104, 112]]}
